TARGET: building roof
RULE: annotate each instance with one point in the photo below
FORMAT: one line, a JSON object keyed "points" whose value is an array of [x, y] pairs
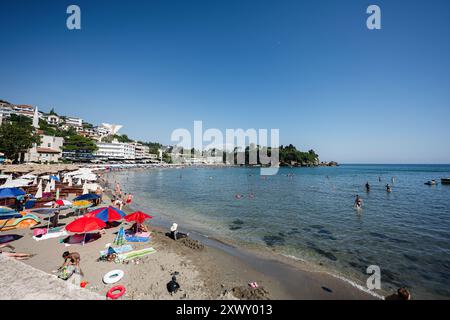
{"points": [[47, 150]]}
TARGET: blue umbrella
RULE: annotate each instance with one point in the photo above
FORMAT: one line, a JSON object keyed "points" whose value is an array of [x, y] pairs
{"points": [[10, 193], [87, 196], [55, 178]]}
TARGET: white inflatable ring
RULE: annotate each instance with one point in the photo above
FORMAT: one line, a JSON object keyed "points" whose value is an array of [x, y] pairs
{"points": [[113, 276]]}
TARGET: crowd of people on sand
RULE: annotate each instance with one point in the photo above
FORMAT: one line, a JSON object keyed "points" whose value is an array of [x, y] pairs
{"points": [[119, 198]]}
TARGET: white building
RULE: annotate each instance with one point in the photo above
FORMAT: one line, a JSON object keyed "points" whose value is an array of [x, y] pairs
{"points": [[141, 151], [49, 150], [116, 150], [102, 131], [53, 119], [74, 122]]}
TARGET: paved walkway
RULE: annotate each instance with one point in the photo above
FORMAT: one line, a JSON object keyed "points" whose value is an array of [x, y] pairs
{"points": [[23, 282]]}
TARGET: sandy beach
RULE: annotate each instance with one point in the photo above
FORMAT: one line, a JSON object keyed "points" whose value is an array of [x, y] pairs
{"points": [[205, 271]]}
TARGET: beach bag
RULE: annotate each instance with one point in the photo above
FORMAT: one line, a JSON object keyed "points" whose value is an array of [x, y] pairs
{"points": [[173, 286]]}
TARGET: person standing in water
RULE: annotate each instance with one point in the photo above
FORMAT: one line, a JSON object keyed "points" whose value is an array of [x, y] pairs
{"points": [[367, 186], [358, 201], [388, 188]]}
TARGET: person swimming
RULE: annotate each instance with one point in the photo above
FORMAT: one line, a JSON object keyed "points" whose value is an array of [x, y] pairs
{"points": [[358, 202], [367, 186], [388, 188]]}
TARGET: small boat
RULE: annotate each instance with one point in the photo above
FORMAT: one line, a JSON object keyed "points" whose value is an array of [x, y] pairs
{"points": [[431, 183], [445, 180]]}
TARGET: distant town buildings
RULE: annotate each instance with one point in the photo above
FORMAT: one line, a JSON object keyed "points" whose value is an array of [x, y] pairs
{"points": [[50, 149]]}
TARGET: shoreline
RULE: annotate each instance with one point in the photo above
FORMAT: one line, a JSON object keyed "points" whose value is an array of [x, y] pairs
{"points": [[213, 269], [276, 266]]}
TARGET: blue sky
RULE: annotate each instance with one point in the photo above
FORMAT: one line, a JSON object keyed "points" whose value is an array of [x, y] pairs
{"points": [[309, 68]]}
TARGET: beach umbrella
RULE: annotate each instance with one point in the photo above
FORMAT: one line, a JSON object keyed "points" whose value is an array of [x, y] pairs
{"points": [[59, 202], [55, 178], [57, 194], [70, 181], [10, 193], [137, 216], [9, 179], [52, 184], [85, 188], [47, 188], [79, 182], [65, 179], [85, 224], [38, 194], [87, 196], [107, 214], [35, 181]]}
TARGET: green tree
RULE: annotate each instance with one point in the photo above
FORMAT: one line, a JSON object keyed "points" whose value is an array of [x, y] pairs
{"points": [[76, 143], [17, 135]]}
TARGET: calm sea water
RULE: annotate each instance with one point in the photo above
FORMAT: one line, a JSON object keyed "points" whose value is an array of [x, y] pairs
{"points": [[310, 216]]}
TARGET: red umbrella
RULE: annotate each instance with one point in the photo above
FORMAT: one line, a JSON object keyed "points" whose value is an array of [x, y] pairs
{"points": [[138, 216], [85, 224]]}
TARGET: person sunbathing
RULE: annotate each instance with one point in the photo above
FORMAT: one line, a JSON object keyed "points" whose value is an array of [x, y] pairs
{"points": [[15, 255], [140, 229]]}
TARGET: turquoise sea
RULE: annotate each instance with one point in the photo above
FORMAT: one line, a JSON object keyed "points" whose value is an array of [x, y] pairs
{"points": [[308, 214]]}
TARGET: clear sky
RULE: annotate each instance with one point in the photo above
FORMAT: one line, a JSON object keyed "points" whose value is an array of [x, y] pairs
{"points": [[309, 68]]}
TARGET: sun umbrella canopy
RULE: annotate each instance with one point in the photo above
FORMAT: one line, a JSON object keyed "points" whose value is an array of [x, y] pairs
{"points": [[81, 204], [10, 193], [85, 224], [87, 196], [59, 202], [107, 214], [138, 216]]}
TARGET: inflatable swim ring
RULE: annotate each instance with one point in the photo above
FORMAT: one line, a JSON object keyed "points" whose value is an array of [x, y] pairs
{"points": [[113, 276], [117, 295]]}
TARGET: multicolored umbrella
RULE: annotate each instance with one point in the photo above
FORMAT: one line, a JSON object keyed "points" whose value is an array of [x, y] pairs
{"points": [[107, 214], [120, 237], [59, 202], [138, 216]]}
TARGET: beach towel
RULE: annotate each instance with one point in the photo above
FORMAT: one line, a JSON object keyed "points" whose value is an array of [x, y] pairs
{"points": [[51, 235], [137, 239], [121, 249], [136, 254]]}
